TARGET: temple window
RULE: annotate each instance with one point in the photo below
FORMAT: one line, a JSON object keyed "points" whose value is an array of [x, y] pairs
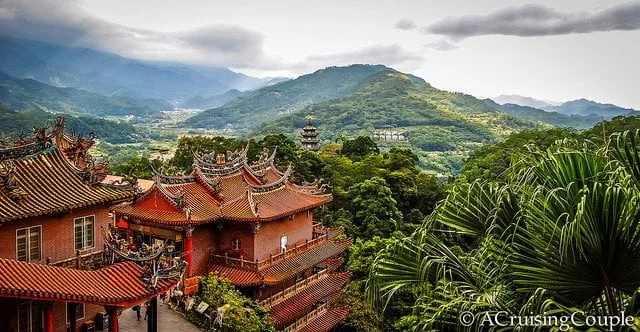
{"points": [[283, 243], [84, 232], [235, 244], [79, 312], [29, 317], [28, 244]]}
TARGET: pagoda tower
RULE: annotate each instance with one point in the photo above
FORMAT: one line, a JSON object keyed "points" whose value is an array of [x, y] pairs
{"points": [[309, 138]]}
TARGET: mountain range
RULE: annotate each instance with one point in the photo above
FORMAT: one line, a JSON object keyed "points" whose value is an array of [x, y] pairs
{"points": [[582, 107], [28, 94], [113, 75]]}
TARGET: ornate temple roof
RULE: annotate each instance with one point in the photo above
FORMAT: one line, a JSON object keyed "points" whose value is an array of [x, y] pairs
{"points": [[120, 284], [225, 187], [53, 173], [296, 306]]}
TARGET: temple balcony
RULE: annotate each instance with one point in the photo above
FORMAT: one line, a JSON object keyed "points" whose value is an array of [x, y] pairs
{"points": [[273, 259], [294, 289]]}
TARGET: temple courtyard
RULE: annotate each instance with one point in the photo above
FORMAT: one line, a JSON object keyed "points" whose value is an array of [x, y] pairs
{"points": [[169, 320]]}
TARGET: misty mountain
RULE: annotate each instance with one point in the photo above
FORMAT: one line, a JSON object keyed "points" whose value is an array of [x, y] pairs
{"points": [[552, 118], [212, 101], [110, 74], [25, 94], [524, 101], [586, 107], [288, 97], [583, 107]]}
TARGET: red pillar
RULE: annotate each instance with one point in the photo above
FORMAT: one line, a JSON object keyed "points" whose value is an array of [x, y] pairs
{"points": [[113, 319], [48, 317], [188, 250]]}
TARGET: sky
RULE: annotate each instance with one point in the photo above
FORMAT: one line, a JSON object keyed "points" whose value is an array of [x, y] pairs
{"points": [[551, 50]]}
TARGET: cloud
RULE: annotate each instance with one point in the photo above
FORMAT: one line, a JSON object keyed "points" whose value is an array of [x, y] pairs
{"points": [[389, 55], [405, 24], [442, 45], [537, 20], [65, 22]]}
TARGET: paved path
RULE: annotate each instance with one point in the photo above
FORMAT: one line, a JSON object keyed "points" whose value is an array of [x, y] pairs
{"points": [[168, 321]]}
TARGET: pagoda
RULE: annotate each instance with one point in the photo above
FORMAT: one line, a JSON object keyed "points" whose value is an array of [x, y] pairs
{"points": [[250, 224], [309, 135], [54, 202]]}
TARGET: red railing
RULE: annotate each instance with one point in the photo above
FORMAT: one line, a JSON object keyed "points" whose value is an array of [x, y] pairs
{"points": [[292, 290], [306, 318], [259, 265]]}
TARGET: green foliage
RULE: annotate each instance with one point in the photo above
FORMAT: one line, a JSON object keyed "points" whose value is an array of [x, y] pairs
{"points": [[373, 208], [359, 147], [491, 162], [140, 167], [240, 313], [559, 235]]}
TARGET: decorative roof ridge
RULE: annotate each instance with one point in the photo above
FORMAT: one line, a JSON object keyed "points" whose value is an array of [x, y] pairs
{"points": [[274, 185], [253, 204], [169, 179], [311, 189], [212, 186], [265, 160], [177, 201], [241, 157], [258, 176]]}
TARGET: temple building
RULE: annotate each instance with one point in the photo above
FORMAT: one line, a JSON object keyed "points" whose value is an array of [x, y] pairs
{"points": [[250, 224], [55, 274], [309, 135]]}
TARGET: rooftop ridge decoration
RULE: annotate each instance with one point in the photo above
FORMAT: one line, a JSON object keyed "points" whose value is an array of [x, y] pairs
{"points": [[168, 179], [212, 185], [272, 186], [265, 161], [212, 161], [8, 182], [177, 200]]}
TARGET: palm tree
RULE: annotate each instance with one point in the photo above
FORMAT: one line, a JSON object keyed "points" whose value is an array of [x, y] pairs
{"points": [[562, 235]]}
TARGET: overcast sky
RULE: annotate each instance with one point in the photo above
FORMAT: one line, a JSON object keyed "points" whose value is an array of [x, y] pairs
{"points": [[554, 50]]}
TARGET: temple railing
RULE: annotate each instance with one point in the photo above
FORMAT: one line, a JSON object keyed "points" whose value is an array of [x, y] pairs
{"points": [[292, 290], [273, 259], [87, 261], [306, 318]]}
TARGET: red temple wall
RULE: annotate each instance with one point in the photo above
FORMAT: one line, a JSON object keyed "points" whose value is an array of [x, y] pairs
{"points": [[240, 230], [57, 234], [297, 231], [205, 239]]}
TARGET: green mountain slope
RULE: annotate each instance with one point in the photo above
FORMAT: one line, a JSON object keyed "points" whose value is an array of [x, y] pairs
{"points": [[287, 97], [14, 123], [30, 94], [443, 127]]}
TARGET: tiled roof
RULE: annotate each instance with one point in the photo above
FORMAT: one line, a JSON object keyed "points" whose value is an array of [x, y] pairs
{"points": [[237, 276], [296, 306], [307, 259], [52, 186], [237, 195], [326, 321], [117, 285]]}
